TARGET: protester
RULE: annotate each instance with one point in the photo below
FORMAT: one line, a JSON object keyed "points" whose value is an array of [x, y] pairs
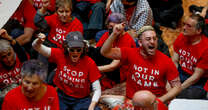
{"points": [[12, 55], [33, 93], [147, 71], [113, 70], [76, 73], [59, 23], [190, 56], [146, 100]]}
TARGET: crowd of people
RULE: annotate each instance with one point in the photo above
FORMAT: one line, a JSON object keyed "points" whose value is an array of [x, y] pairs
{"points": [[47, 62]]}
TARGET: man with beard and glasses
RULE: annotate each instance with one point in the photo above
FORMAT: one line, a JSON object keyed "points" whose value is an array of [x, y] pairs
{"points": [[111, 68], [149, 69], [12, 55]]}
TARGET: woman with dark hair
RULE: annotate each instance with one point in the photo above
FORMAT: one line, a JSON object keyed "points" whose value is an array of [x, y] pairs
{"points": [[75, 73]]}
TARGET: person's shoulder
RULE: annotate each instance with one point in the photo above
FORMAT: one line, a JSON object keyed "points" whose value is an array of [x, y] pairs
{"points": [[50, 88], [14, 92], [160, 55]]}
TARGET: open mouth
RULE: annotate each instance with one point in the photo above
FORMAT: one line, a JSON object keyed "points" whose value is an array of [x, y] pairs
{"points": [[151, 47], [74, 56]]}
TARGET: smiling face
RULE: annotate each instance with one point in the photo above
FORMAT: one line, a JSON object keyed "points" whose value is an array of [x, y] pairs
{"points": [[64, 13], [148, 43], [31, 86], [75, 53]]}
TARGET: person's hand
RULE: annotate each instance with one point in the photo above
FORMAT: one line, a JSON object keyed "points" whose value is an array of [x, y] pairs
{"points": [[4, 34], [41, 38], [133, 33], [118, 28], [107, 7]]}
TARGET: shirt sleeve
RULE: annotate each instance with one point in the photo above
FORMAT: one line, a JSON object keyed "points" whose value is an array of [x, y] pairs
{"points": [[56, 53], [94, 73], [102, 40], [203, 61], [7, 105], [29, 13]]}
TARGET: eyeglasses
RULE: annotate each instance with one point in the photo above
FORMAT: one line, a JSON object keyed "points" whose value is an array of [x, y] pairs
{"points": [[73, 49]]}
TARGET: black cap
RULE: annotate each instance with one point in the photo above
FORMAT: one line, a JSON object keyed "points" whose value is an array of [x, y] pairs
{"points": [[75, 39]]}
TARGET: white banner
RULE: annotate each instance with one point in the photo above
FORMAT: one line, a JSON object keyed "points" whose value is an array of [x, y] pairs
{"points": [[188, 104], [7, 8]]}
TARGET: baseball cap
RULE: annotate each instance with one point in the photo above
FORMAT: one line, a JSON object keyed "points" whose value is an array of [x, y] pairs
{"points": [[74, 39]]}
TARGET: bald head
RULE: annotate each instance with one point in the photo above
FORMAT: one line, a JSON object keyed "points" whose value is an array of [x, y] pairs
{"points": [[143, 98]]}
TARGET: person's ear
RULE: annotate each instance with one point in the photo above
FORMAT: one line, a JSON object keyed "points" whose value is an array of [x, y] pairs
{"points": [[199, 31]]}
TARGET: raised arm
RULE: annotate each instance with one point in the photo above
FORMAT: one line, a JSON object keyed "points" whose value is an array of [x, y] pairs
{"points": [[107, 50], [17, 48], [38, 46]]}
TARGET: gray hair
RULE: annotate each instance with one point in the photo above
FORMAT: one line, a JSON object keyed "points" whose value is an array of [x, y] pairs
{"points": [[34, 67], [4, 45]]}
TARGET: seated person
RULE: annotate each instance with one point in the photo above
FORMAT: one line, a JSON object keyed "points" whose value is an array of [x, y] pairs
{"points": [[190, 56], [143, 73], [110, 68], [58, 24], [76, 75], [33, 93], [20, 25], [12, 55], [146, 100]]}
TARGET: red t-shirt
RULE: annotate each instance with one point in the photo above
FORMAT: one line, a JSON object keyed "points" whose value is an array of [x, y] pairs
{"points": [[161, 105], [39, 3], [16, 100], [191, 56], [8, 77], [74, 80], [25, 14], [147, 74], [206, 86], [91, 1], [59, 30], [124, 41]]}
